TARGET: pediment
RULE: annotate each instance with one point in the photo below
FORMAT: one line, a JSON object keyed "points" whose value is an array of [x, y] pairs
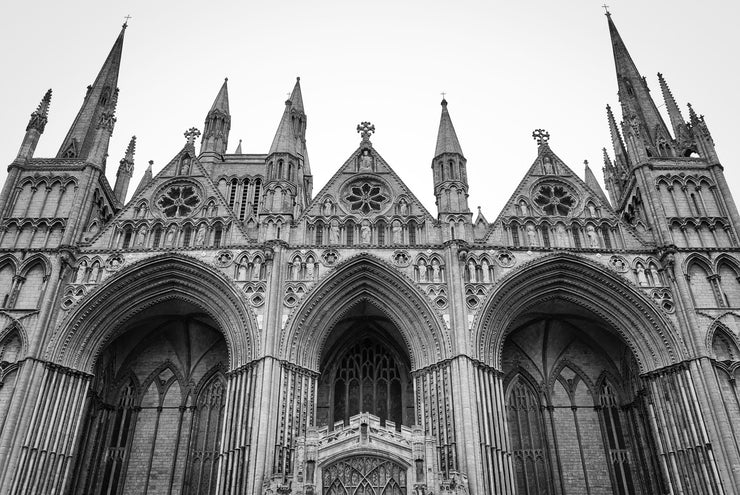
{"points": [[181, 193], [366, 187], [552, 193]]}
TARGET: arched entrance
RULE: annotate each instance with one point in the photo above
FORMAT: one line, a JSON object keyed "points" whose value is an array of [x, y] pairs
{"points": [[159, 396], [573, 408], [366, 475], [365, 368]]}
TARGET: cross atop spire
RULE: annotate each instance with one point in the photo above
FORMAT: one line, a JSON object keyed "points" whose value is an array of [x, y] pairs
{"points": [[541, 136], [191, 135], [125, 22], [606, 10], [365, 129]]}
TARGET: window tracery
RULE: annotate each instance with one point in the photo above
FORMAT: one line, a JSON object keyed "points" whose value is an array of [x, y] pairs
{"points": [[554, 199], [178, 200]]}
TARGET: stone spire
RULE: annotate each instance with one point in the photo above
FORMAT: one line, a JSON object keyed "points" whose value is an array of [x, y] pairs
{"points": [[290, 135], [35, 128], [145, 179], [674, 113], [125, 171], [592, 183], [447, 141], [97, 108], [239, 148], [217, 124], [638, 107]]}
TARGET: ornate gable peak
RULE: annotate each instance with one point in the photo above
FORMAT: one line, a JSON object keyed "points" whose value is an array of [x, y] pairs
{"points": [[366, 186]]}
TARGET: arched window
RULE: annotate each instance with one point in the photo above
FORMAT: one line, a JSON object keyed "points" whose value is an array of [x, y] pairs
{"points": [[515, 234], [412, 232], [368, 380], [526, 430], [127, 233], [730, 285], [232, 192], [119, 440], [187, 235], [701, 287], [32, 286], [614, 441], [217, 234], [245, 200], [157, 237], [349, 228], [319, 227], [206, 433], [607, 237], [380, 227], [256, 197], [545, 236], [6, 284]]}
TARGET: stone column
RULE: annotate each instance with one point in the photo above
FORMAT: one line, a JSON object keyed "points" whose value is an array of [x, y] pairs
{"points": [[44, 447]]}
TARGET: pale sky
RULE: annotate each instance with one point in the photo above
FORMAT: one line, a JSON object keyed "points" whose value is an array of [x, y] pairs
{"points": [[507, 68]]}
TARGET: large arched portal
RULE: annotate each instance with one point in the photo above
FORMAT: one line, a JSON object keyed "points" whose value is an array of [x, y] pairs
{"points": [[573, 406], [159, 396], [365, 368]]}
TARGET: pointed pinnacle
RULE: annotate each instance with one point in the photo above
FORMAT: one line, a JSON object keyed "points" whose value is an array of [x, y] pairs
{"points": [[40, 116], [674, 113], [447, 141], [592, 183], [131, 149], [296, 96], [222, 98], [238, 148]]}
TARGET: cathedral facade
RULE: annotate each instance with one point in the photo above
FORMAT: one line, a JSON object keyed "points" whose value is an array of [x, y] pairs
{"points": [[230, 330]]}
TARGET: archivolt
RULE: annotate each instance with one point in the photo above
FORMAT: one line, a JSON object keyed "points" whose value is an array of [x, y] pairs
{"points": [[631, 314], [102, 315], [365, 277]]}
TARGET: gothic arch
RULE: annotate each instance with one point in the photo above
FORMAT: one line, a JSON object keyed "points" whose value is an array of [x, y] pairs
{"points": [[628, 312], [85, 332], [365, 278]]}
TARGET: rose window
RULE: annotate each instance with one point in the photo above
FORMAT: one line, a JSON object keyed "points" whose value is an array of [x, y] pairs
{"points": [[178, 201], [554, 200], [366, 198]]}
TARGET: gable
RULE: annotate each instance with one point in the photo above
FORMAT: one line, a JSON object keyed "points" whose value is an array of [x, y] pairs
{"points": [[553, 207], [366, 188], [179, 207]]}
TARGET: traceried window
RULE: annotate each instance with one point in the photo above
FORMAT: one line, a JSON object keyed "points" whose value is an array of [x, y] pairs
{"points": [[554, 200], [366, 197], [368, 380], [364, 475], [617, 449], [526, 428], [119, 440], [203, 462], [178, 201]]}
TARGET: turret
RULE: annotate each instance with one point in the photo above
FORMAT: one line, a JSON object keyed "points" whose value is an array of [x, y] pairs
{"points": [[288, 180], [125, 171], [217, 125], [451, 177], [88, 137]]}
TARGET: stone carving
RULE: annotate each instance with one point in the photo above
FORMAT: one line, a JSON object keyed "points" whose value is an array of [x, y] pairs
{"points": [[396, 232], [422, 266], [334, 232], [365, 232], [330, 257], [505, 259], [114, 262], [618, 264], [436, 271], [401, 258], [403, 207], [223, 258], [593, 238]]}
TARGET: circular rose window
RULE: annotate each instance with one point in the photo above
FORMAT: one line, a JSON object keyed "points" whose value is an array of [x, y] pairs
{"points": [[554, 200], [178, 201], [365, 197]]}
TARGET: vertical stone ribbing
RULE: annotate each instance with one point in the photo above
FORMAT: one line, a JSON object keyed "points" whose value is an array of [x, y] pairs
{"points": [[494, 442], [296, 413], [236, 432], [683, 444], [46, 452], [434, 395]]}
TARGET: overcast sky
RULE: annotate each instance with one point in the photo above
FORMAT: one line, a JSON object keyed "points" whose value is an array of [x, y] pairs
{"points": [[507, 68]]}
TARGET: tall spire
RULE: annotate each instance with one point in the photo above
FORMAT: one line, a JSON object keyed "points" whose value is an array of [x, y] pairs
{"points": [[674, 113], [637, 105], [592, 183], [125, 171], [35, 127], [447, 141], [99, 100], [217, 124], [290, 135]]}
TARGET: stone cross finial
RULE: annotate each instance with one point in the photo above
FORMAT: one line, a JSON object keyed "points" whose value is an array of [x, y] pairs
{"points": [[541, 136], [366, 129], [191, 135], [606, 9], [125, 23]]}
